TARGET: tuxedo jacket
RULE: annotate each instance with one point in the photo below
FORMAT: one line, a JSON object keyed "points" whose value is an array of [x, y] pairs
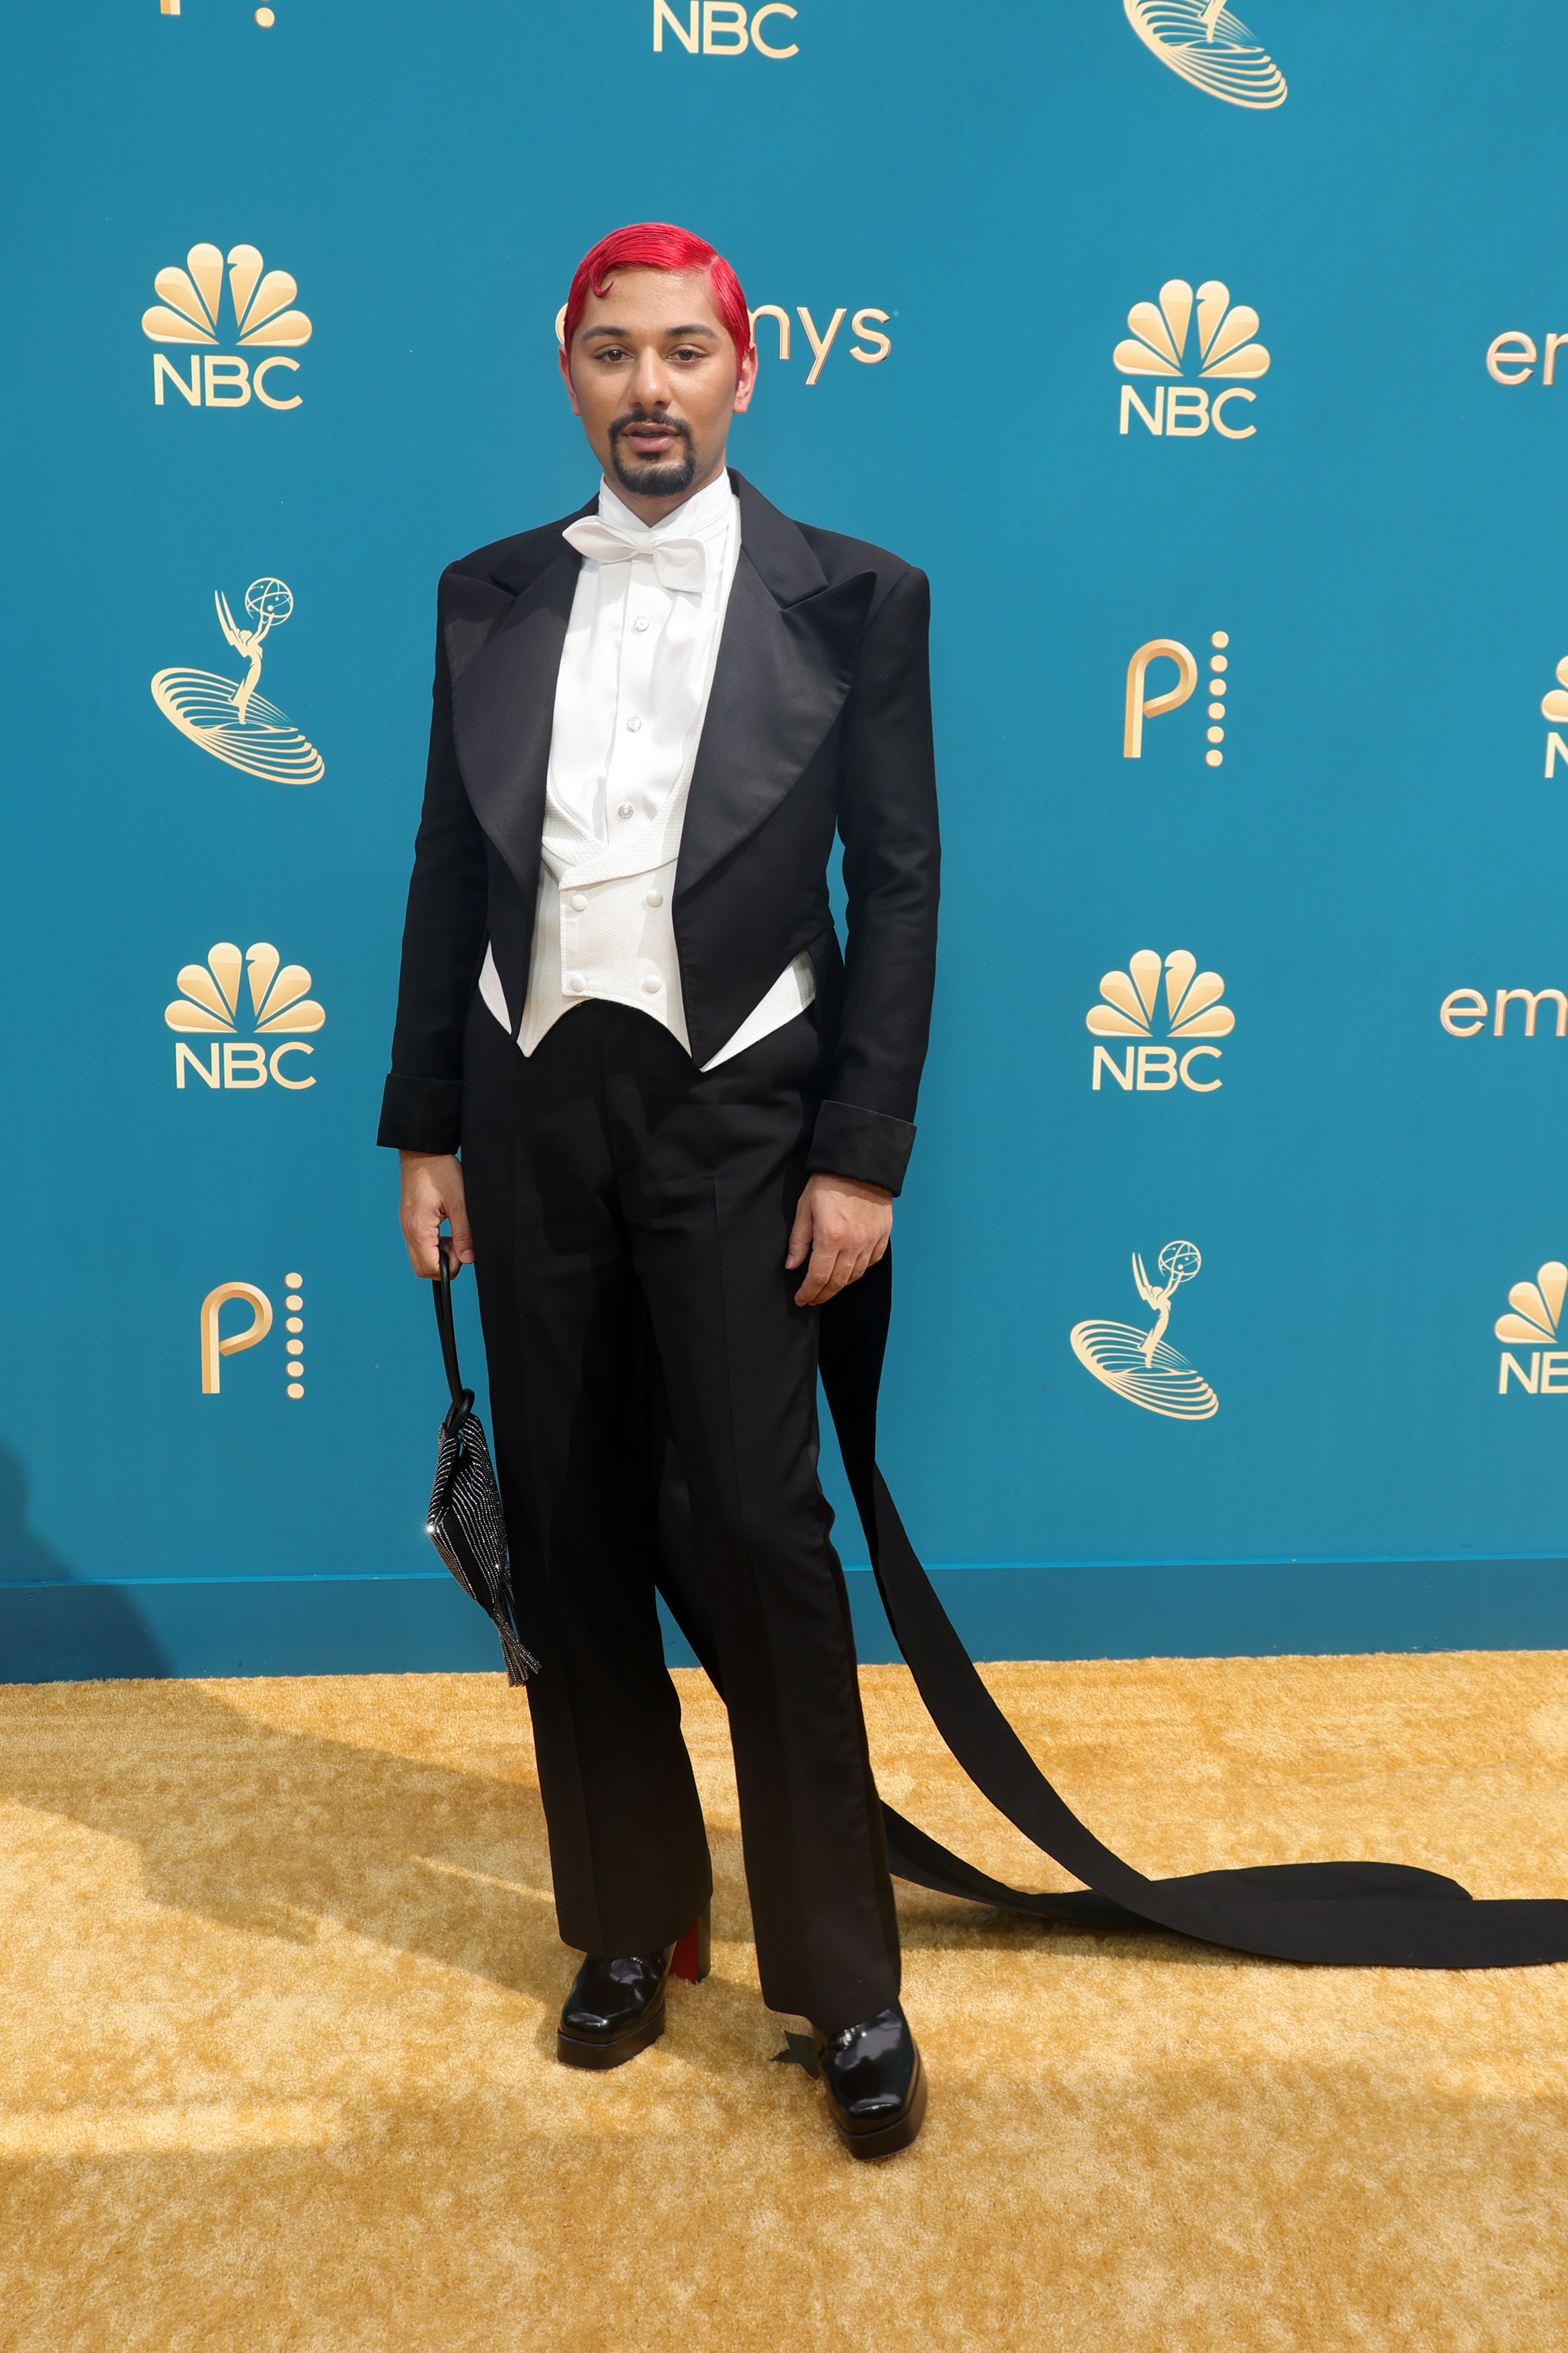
{"points": [[818, 720]]}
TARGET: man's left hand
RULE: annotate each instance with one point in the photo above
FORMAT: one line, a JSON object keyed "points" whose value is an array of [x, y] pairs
{"points": [[843, 1227]]}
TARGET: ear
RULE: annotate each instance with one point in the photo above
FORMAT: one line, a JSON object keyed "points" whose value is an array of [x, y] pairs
{"points": [[565, 367], [746, 382]]}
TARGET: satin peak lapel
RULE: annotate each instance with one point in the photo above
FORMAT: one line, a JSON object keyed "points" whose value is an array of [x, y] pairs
{"points": [[503, 708], [780, 682]]}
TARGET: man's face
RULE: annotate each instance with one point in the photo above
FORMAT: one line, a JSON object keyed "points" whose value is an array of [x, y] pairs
{"points": [[652, 374]]}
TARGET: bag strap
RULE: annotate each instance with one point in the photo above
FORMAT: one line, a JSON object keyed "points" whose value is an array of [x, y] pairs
{"points": [[462, 1399]]}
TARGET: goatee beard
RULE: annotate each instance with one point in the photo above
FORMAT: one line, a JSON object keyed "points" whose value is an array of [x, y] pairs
{"points": [[664, 479]]}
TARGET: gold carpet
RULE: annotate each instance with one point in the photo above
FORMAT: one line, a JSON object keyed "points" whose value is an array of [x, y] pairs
{"points": [[280, 1972]]}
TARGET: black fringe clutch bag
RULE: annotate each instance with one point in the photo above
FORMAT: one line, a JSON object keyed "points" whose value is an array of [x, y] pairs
{"points": [[465, 1524]]}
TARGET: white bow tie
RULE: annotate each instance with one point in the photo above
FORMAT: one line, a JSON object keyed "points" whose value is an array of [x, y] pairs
{"points": [[676, 562]]}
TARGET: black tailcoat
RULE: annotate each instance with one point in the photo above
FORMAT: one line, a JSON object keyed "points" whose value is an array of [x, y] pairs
{"points": [[819, 720]]}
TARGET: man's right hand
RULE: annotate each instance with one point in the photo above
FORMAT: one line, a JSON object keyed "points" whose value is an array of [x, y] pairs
{"points": [[433, 1189]]}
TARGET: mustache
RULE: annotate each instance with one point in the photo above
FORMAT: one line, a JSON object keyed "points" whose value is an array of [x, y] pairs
{"points": [[638, 417]]}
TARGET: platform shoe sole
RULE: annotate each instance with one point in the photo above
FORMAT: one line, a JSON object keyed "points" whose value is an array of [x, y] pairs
{"points": [[577, 2051], [885, 2140]]}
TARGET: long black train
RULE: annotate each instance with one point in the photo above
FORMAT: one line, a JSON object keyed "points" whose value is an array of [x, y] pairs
{"points": [[1348, 1915]]}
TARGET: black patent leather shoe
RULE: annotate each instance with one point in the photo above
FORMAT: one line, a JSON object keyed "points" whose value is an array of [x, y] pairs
{"points": [[615, 2007], [874, 2084]]}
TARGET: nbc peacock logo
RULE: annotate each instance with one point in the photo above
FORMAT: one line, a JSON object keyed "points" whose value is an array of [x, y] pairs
{"points": [[1224, 346], [1141, 1367], [226, 716], [1202, 42], [190, 311], [1535, 1310], [209, 1005], [1555, 707], [1189, 1016]]}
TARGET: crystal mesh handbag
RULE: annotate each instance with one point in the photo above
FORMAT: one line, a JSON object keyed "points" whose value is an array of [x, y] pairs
{"points": [[466, 1524]]}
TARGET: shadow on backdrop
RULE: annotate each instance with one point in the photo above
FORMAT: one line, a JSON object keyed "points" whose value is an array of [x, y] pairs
{"points": [[53, 1626]]}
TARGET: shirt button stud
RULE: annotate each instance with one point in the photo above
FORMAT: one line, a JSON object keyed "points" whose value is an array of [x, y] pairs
{"points": [[653, 898], [632, 726], [641, 621], [625, 810], [651, 984], [579, 900], [576, 983]]}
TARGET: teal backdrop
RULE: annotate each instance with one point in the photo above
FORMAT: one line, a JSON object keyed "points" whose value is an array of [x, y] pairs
{"points": [[1317, 1453]]}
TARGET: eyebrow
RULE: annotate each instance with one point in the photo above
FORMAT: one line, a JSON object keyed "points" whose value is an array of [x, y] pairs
{"points": [[624, 333]]}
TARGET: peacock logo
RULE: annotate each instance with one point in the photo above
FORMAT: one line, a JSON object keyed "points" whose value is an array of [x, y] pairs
{"points": [[190, 311], [1142, 705], [1159, 342], [216, 1343], [209, 1005], [1535, 1310], [1191, 1014], [1202, 42], [1224, 346], [1555, 707]]}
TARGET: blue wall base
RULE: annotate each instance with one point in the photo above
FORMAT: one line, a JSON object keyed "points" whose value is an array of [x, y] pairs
{"points": [[421, 1624]]}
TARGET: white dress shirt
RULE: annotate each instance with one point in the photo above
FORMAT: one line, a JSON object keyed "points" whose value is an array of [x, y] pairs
{"points": [[630, 698]]}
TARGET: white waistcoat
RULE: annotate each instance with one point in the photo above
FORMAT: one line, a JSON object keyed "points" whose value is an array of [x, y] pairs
{"points": [[602, 924]]}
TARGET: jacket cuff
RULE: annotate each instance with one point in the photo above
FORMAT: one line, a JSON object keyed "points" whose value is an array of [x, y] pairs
{"points": [[421, 1115], [868, 1144]]}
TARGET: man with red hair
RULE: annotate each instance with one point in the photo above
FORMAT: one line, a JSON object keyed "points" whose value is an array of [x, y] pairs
{"points": [[683, 1113]]}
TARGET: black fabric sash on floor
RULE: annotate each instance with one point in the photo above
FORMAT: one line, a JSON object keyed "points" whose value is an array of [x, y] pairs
{"points": [[1353, 1914]]}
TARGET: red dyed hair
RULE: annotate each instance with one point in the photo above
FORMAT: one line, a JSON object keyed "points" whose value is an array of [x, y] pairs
{"points": [[657, 245]]}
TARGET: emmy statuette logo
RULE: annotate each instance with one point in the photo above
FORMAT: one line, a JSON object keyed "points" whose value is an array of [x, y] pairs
{"points": [[1141, 1367], [1202, 42], [723, 29], [209, 1003], [226, 716], [188, 310], [1536, 1309], [1223, 348], [216, 1344], [1192, 1012], [1142, 705]]}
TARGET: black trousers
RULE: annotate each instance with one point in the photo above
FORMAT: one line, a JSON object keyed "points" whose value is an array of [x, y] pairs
{"points": [[624, 1204]]}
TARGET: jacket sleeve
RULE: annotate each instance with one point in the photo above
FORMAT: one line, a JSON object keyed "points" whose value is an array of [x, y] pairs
{"points": [[887, 819], [443, 948]]}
